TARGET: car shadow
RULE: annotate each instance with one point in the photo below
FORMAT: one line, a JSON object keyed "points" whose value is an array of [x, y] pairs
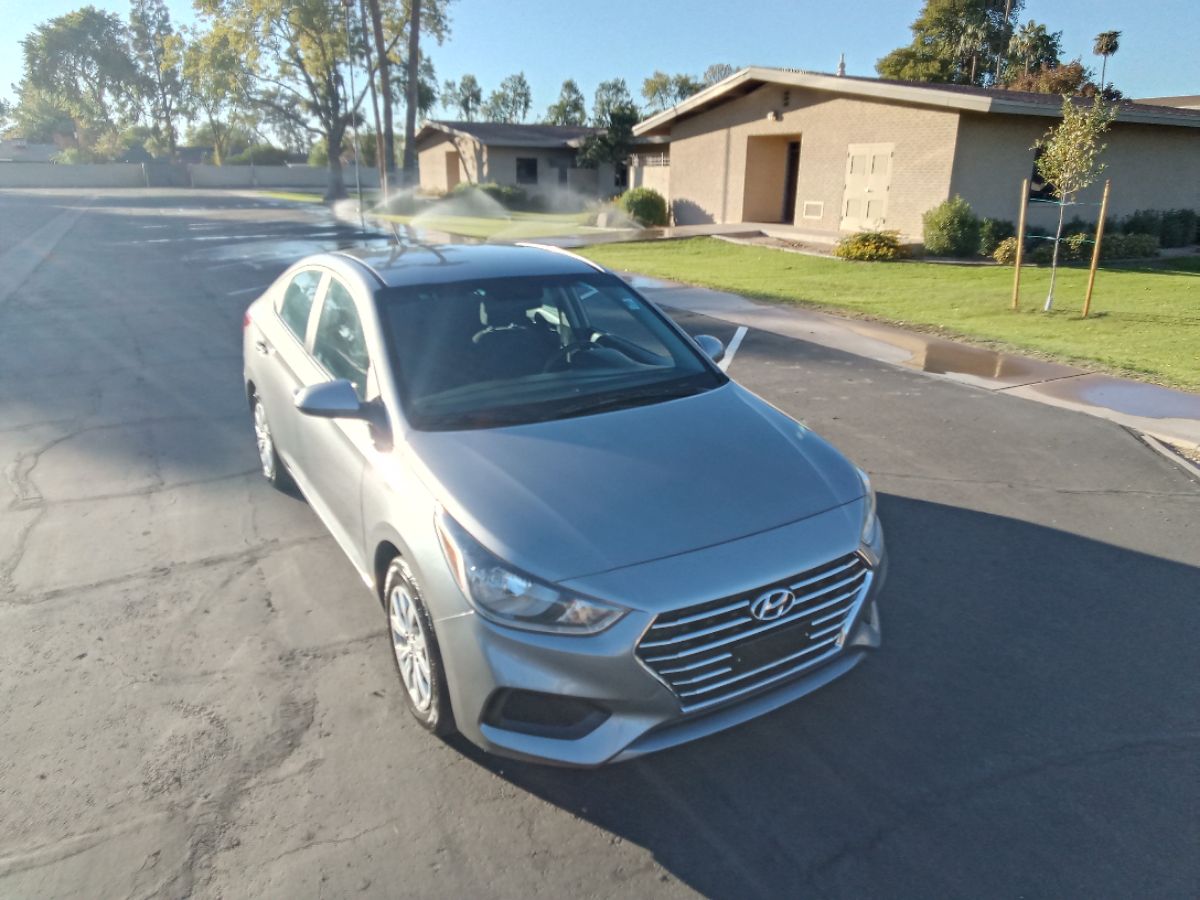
{"points": [[1026, 729]]}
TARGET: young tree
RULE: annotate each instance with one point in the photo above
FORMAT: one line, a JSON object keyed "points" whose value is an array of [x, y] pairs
{"points": [[570, 108], [1069, 159], [464, 97], [1107, 43], [510, 102], [6, 112], [158, 53]]}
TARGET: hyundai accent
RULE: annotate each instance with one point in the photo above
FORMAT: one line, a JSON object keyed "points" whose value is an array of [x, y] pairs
{"points": [[589, 543]]}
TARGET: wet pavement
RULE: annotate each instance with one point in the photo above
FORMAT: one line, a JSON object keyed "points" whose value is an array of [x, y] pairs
{"points": [[197, 696], [1169, 414]]}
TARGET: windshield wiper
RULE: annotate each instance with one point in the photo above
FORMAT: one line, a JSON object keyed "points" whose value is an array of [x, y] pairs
{"points": [[626, 399]]}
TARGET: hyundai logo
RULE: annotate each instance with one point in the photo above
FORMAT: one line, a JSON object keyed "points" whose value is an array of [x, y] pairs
{"points": [[772, 605]]}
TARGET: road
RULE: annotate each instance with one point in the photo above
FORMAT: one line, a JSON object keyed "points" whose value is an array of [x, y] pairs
{"points": [[196, 696]]}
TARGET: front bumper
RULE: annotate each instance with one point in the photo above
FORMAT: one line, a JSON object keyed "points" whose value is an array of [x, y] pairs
{"points": [[642, 714]]}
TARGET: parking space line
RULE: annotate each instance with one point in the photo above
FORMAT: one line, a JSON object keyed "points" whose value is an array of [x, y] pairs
{"points": [[733, 347]]}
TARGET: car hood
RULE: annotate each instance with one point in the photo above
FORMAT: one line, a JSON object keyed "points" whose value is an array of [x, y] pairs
{"points": [[579, 496]]}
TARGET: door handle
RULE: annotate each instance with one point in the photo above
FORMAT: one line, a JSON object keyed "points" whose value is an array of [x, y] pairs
{"points": [[262, 348]]}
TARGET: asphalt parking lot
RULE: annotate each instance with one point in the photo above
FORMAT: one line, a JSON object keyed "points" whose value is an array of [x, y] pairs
{"points": [[197, 699]]}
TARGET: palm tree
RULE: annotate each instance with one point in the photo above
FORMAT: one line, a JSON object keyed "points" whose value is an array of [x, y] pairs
{"points": [[1107, 43], [1026, 41], [971, 43]]}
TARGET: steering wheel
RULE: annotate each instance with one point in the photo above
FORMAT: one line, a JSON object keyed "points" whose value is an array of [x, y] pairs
{"points": [[561, 358]]}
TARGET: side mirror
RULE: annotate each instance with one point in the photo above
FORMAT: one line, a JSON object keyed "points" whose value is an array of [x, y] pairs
{"points": [[712, 347], [331, 400]]}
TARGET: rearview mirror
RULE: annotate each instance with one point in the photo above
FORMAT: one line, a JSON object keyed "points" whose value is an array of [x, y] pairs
{"points": [[330, 400], [712, 347]]}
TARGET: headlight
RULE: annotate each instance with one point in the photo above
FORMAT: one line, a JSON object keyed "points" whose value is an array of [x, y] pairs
{"points": [[511, 597], [870, 517]]}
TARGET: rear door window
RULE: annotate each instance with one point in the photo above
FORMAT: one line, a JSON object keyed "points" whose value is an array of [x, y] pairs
{"points": [[298, 300], [339, 345]]}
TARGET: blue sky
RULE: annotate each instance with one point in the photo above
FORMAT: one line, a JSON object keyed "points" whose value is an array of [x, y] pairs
{"points": [[593, 41]]}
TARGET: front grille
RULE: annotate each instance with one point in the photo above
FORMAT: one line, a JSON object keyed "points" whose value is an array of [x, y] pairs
{"points": [[716, 651]]}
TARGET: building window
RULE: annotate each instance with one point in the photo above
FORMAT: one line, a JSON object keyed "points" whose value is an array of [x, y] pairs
{"points": [[526, 170]]}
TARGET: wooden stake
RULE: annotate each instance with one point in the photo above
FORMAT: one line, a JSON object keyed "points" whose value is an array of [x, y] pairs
{"points": [[1016, 297], [1087, 299]]}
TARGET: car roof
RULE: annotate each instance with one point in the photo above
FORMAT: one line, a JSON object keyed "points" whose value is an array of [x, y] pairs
{"points": [[401, 265]]}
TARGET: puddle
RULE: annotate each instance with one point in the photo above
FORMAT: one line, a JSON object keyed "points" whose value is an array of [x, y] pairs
{"points": [[1130, 397], [944, 358]]}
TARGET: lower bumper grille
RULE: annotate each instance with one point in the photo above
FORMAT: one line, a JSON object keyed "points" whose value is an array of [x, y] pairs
{"points": [[716, 651]]}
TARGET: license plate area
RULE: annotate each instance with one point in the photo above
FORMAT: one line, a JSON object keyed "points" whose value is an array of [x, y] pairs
{"points": [[774, 645]]}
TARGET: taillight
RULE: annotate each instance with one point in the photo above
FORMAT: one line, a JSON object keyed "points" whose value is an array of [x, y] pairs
{"points": [[246, 319]]}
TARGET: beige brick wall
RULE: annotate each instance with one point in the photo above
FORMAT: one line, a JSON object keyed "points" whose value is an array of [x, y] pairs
{"points": [[709, 154], [1151, 167], [500, 166]]}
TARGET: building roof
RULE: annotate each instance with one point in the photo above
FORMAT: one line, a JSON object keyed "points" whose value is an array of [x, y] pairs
{"points": [[504, 134], [952, 96], [1185, 101]]}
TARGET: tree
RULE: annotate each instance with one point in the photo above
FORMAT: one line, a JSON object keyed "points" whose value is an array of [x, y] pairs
{"points": [[570, 108], [717, 72], [464, 97], [613, 111], [212, 71], [412, 92], [42, 118], [6, 112], [80, 62], [158, 54], [1107, 43], [1069, 78], [662, 90], [288, 59], [1068, 159], [510, 102], [1034, 46], [940, 34]]}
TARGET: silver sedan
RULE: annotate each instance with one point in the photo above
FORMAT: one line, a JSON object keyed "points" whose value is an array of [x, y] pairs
{"points": [[589, 543]]}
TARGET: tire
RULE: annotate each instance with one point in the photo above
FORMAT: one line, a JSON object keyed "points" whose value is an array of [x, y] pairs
{"points": [[271, 465], [415, 651]]}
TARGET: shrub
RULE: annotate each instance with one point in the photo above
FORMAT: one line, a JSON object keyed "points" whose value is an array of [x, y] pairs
{"points": [[1129, 246], [992, 232], [1178, 228], [1043, 253], [646, 205], [507, 195], [951, 229], [260, 155], [1006, 251], [1143, 221], [1076, 247], [870, 246]]}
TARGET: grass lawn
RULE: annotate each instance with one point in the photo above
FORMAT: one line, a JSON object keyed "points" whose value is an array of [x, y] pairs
{"points": [[1145, 318], [307, 196]]}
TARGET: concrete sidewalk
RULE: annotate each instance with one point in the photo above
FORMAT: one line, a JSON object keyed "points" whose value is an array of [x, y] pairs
{"points": [[1169, 415]]}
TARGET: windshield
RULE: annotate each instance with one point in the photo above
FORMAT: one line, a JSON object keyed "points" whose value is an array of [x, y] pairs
{"points": [[510, 351]]}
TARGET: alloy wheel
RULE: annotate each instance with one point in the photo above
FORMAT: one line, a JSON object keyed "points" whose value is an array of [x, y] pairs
{"points": [[410, 647]]}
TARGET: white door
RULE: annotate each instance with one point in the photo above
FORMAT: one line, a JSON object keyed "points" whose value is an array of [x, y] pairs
{"points": [[868, 180]]}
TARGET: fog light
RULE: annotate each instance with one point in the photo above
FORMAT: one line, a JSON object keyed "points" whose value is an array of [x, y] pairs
{"points": [[543, 715]]}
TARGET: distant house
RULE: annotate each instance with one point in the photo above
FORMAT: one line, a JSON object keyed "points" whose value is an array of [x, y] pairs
{"points": [[833, 154], [21, 150], [541, 159]]}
